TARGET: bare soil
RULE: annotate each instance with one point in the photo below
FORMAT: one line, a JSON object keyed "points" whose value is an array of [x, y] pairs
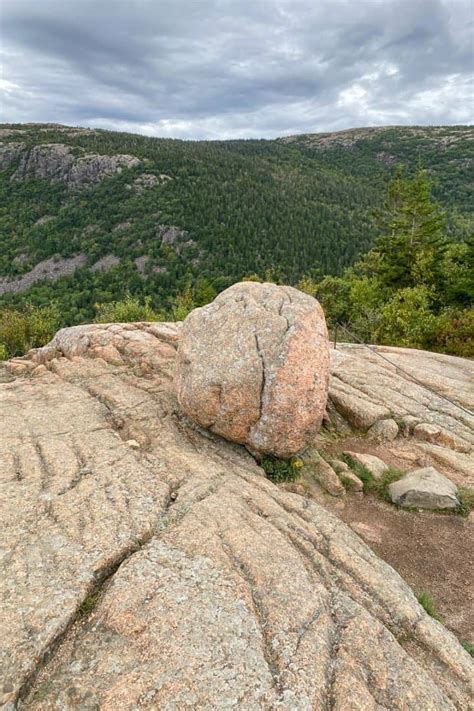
{"points": [[434, 553]]}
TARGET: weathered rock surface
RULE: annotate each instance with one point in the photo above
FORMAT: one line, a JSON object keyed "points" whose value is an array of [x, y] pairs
{"points": [[346, 475], [364, 389], [212, 587], [253, 367], [323, 472], [384, 430], [374, 465], [424, 488], [59, 162]]}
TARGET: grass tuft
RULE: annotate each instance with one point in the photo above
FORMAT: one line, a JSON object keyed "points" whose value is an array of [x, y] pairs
{"points": [[89, 603], [468, 647], [428, 604], [466, 501], [380, 486], [359, 470]]}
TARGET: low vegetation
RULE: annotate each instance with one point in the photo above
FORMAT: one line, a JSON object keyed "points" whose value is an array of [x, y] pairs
{"points": [[428, 604], [377, 486], [282, 470], [468, 647], [30, 327], [466, 501], [89, 603], [126, 311]]}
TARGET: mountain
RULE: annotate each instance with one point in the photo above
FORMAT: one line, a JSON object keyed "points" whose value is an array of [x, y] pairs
{"points": [[86, 214]]}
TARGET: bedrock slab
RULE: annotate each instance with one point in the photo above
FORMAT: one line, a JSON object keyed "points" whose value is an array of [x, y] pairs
{"points": [[171, 573]]}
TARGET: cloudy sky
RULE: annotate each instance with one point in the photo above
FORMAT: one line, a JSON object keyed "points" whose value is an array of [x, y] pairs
{"points": [[236, 68]]}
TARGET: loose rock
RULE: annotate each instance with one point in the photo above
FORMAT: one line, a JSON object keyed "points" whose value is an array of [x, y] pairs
{"points": [[323, 472], [253, 367], [384, 430], [424, 488], [374, 465], [347, 476]]}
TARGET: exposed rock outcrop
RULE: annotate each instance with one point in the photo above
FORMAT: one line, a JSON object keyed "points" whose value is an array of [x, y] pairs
{"points": [[50, 269], [59, 162], [433, 412], [253, 367], [170, 573], [109, 261]]}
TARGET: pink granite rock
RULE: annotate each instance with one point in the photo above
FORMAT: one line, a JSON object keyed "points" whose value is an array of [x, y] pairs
{"points": [[253, 367]]}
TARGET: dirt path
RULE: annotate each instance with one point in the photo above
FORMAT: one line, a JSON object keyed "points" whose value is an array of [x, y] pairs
{"points": [[432, 552]]}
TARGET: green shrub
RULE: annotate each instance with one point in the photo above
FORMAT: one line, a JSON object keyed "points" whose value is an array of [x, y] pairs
{"points": [[30, 327], [280, 470], [377, 486], [126, 311], [454, 332]]}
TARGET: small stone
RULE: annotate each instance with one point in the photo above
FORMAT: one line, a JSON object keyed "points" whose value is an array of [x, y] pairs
{"points": [[133, 443], [322, 472], [425, 489], [347, 477], [384, 430], [374, 465]]}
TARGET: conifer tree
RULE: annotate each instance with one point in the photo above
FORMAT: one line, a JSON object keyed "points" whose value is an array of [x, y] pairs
{"points": [[410, 250]]}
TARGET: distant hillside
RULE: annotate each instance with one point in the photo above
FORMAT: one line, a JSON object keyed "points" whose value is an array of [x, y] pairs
{"points": [[86, 215]]}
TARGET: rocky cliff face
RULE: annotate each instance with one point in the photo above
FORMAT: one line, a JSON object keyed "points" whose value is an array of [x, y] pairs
{"points": [[58, 162], [150, 564]]}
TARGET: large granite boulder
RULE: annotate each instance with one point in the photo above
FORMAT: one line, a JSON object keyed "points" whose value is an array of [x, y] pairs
{"points": [[253, 367]]}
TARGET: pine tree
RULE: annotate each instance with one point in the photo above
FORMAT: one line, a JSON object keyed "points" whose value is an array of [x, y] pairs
{"points": [[410, 250]]}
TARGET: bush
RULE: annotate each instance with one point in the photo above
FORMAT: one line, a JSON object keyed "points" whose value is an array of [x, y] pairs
{"points": [[406, 319], [126, 311], [31, 327], [280, 470], [454, 332]]}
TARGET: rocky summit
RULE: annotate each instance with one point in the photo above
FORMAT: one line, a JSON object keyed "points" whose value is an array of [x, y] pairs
{"points": [[253, 366], [150, 564]]}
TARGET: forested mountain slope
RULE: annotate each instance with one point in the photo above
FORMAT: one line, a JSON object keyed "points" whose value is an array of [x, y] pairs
{"points": [[86, 215]]}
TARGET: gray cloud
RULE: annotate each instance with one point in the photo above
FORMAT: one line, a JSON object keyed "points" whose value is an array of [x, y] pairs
{"points": [[236, 68]]}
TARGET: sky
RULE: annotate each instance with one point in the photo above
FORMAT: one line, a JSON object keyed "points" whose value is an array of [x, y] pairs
{"points": [[210, 69]]}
